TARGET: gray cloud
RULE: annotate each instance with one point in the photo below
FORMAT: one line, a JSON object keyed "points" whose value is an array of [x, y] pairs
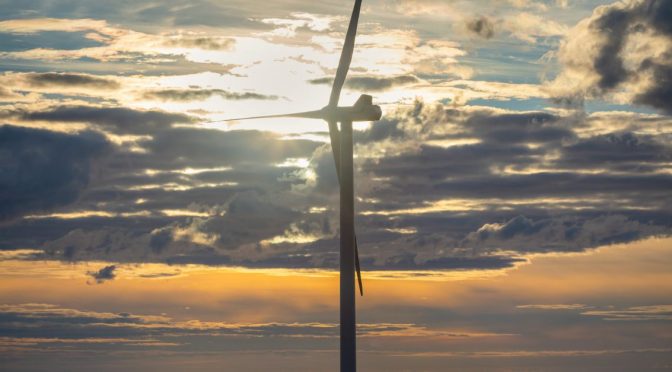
{"points": [[552, 234], [644, 73], [200, 94], [45, 325], [69, 80], [482, 26], [660, 94], [246, 218], [636, 313], [43, 170], [115, 119], [131, 64], [625, 151], [372, 83], [104, 274]]}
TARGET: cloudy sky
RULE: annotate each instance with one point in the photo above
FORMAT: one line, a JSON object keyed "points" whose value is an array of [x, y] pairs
{"points": [[513, 205]]}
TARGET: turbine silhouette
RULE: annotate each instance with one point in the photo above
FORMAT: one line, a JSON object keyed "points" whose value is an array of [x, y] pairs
{"points": [[341, 145]]}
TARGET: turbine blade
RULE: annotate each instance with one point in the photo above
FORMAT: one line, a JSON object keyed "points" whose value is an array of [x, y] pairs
{"points": [[335, 137], [346, 56], [357, 268], [307, 114]]}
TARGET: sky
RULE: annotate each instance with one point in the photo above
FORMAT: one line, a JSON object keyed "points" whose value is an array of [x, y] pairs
{"points": [[513, 204]]}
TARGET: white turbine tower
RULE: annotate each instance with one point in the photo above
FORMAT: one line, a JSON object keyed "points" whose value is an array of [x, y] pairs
{"points": [[341, 145]]}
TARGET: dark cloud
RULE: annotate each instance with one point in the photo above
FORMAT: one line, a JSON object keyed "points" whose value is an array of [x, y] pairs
{"points": [[430, 163], [246, 218], [516, 128], [536, 185], [608, 64], [371, 83], [625, 151], [185, 147], [251, 157], [42, 170], [482, 26], [502, 141], [104, 274], [250, 217], [201, 94], [640, 71], [69, 80], [160, 239], [660, 94], [115, 119], [381, 130], [567, 233]]}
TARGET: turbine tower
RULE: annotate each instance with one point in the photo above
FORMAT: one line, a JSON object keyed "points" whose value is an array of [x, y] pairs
{"points": [[342, 148]]}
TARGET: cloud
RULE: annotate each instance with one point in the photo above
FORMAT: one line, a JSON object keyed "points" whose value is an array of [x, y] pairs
{"points": [[33, 25], [566, 234], [482, 26], [201, 42], [34, 326], [530, 4], [636, 313], [104, 274], [426, 7], [658, 95], [613, 313], [119, 120], [43, 170], [180, 148], [622, 50], [201, 94], [529, 27], [69, 80], [553, 307], [6, 93], [287, 27], [371, 83], [100, 41], [620, 151]]}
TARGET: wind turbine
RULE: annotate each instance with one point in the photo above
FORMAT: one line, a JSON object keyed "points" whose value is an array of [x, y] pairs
{"points": [[341, 146]]}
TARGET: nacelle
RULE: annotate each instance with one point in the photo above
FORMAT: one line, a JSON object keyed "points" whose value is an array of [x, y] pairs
{"points": [[363, 110]]}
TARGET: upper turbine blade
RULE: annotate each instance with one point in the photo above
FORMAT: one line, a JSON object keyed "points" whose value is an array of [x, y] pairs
{"points": [[346, 56]]}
